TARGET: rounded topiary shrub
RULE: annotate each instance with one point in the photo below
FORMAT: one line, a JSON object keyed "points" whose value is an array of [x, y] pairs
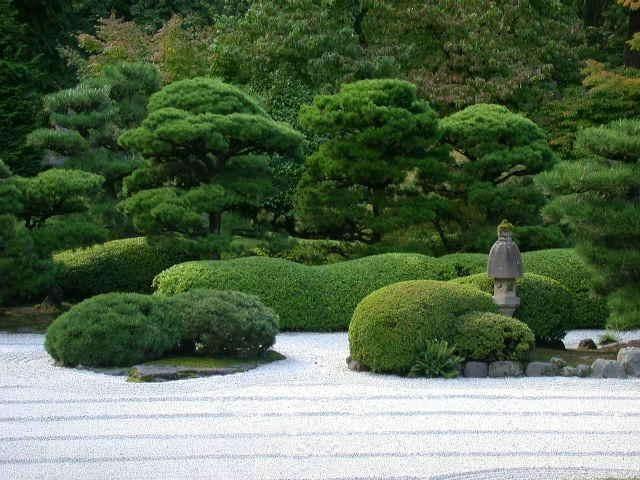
{"points": [[390, 325], [116, 329], [127, 265], [545, 305], [224, 323], [566, 266], [307, 298], [489, 337]]}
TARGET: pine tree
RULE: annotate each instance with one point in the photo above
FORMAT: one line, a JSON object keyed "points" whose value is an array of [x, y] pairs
{"points": [[599, 196]]}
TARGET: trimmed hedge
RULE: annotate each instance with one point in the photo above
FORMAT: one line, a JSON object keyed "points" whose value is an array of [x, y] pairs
{"points": [[390, 325], [490, 337], [113, 330], [566, 266], [224, 323], [127, 265], [308, 298], [547, 307]]}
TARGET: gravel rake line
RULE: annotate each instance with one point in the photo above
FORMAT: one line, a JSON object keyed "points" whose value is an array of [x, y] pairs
{"points": [[240, 435], [546, 413], [311, 456]]}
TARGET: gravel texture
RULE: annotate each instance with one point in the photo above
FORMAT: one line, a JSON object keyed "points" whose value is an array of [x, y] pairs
{"points": [[309, 417]]}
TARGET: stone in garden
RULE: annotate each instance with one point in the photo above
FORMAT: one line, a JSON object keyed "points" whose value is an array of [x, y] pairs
{"points": [[542, 369], [558, 362], [629, 358], [583, 370], [505, 267], [602, 368], [616, 347], [569, 372], [476, 370], [356, 366], [587, 344], [505, 369]]}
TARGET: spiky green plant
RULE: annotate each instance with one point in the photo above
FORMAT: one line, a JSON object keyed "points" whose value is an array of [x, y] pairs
{"points": [[437, 359]]}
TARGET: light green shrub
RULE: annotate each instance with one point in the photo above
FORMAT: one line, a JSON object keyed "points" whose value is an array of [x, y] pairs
{"points": [[127, 265], [463, 264], [566, 266], [390, 326], [489, 337], [546, 306], [309, 298]]}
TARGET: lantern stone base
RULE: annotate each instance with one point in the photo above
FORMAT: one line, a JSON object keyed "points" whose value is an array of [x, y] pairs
{"points": [[507, 303]]}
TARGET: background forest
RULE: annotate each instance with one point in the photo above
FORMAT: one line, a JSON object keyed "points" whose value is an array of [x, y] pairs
{"points": [[524, 110]]}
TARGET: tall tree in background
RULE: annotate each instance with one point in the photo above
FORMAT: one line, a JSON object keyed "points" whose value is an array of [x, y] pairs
{"points": [[599, 196], [632, 55], [207, 145], [363, 181]]}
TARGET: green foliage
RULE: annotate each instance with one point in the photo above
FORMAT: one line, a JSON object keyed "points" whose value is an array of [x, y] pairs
{"points": [[209, 143], [436, 359], [116, 329], [318, 298], [597, 196], [389, 326], [490, 337], [355, 185], [547, 307], [464, 264], [122, 265], [224, 323]]}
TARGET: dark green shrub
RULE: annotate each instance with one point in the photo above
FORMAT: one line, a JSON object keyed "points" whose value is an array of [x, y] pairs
{"points": [[546, 306], [224, 322], [389, 326], [309, 298], [436, 359], [565, 266], [489, 337], [116, 329], [121, 265], [463, 264]]}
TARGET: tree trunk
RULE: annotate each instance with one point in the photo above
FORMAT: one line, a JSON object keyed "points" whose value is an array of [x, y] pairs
{"points": [[442, 235], [215, 223], [631, 57], [592, 12]]}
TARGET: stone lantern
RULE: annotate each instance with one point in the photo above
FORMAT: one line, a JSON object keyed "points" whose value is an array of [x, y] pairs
{"points": [[505, 267]]}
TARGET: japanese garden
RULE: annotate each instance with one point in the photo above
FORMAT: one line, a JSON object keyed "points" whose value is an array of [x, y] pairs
{"points": [[331, 239]]}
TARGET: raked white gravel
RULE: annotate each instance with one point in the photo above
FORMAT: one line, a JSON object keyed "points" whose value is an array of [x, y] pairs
{"points": [[308, 417]]}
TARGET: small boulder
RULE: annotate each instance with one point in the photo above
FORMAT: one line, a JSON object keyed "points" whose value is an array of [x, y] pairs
{"points": [[583, 370], [568, 372], [558, 362], [602, 368], [505, 369], [476, 370], [356, 366], [587, 344], [542, 369], [629, 358]]}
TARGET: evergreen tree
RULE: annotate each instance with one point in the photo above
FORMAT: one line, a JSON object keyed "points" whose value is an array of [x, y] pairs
{"points": [[599, 196], [380, 166], [207, 145]]}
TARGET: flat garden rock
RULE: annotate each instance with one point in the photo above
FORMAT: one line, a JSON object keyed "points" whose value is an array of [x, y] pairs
{"points": [[583, 370], [616, 347], [629, 358], [505, 369], [163, 373], [542, 369], [607, 369], [476, 370]]}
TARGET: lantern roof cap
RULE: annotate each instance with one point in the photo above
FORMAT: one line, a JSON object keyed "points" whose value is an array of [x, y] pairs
{"points": [[505, 259]]}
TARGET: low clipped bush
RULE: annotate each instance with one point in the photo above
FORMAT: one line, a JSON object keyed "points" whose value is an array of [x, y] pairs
{"points": [[128, 265], [566, 266], [390, 326], [307, 298], [116, 329], [464, 264], [224, 323], [546, 305], [489, 337]]}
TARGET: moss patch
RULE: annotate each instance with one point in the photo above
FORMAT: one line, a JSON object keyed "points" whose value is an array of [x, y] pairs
{"points": [[572, 357], [221, 362]]}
